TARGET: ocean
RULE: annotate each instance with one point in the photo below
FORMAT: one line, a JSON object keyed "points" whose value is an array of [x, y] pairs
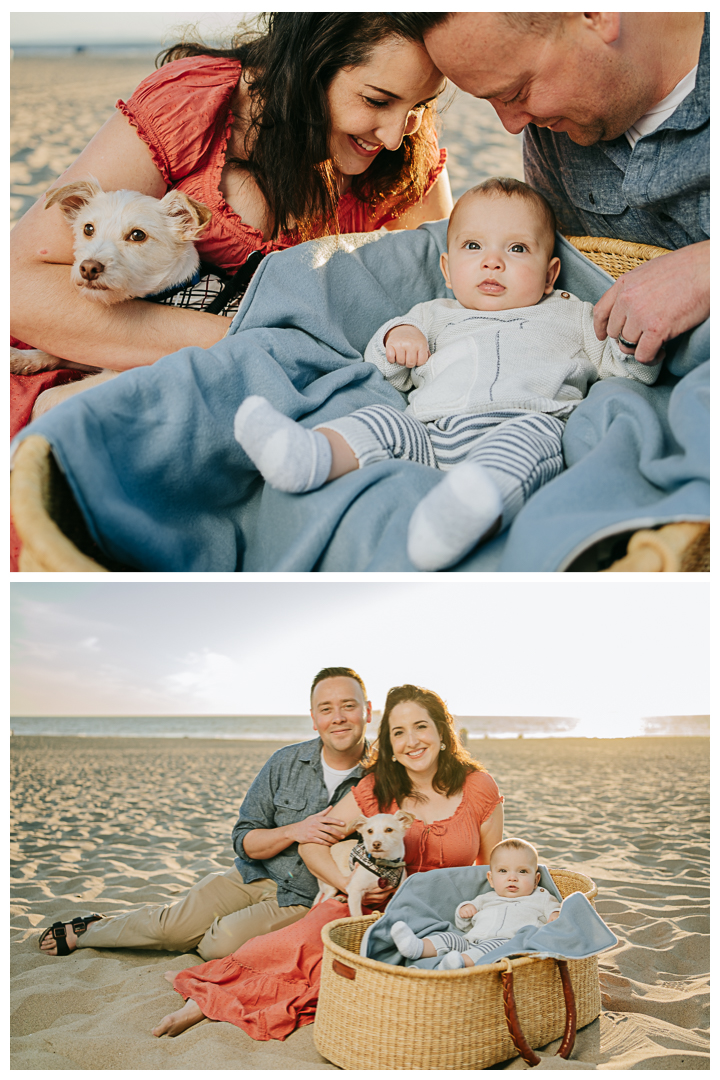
{"points": [[114, 51], [268, 728]]}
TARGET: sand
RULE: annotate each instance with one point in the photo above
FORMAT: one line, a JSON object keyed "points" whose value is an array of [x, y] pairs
{"points": [[108, 824], [57, 105]]}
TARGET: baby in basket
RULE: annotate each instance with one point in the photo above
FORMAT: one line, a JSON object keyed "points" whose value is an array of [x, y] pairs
{"points": [[492, 918], [493, 376]]}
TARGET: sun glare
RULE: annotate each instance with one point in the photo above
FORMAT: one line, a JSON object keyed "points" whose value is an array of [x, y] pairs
{"points": [[608, 724]]}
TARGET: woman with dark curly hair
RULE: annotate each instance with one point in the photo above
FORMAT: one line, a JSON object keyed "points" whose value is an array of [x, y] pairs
{"points": [[318, 123], [270, 985]]}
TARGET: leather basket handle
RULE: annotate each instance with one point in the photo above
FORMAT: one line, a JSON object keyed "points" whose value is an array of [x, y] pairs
{"points": [[345, 970], [513, 1023]]}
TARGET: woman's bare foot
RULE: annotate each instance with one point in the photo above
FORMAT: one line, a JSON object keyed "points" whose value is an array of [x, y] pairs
{"points": [[180, 1021], [171, 976], [49, 945]]}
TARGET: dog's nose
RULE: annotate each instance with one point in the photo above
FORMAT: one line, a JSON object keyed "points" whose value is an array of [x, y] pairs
{"points": [[90, 269], [376, 845]]}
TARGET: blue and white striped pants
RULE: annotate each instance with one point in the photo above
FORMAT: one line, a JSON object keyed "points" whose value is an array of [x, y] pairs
{"points": [[522, 450], [448, 941]]}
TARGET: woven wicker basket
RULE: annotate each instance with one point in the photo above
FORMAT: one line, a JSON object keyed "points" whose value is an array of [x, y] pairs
{"points": [[371, 1015], [615, 256], [48, 522]]}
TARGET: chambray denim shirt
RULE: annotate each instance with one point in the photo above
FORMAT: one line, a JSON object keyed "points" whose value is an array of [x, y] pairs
{"points": [[655, 193], [289, 787]]}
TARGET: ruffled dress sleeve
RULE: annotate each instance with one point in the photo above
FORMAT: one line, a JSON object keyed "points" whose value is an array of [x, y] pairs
{"points": [[364, 794], [182, 111]]}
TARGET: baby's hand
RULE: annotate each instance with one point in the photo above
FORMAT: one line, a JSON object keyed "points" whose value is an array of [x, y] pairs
{"points": [[466, 911], [406, 345], [553, 917]]}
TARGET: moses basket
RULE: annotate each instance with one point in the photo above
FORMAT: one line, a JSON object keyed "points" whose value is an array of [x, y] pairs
{"points": [[372, 1015], [50, 526]]}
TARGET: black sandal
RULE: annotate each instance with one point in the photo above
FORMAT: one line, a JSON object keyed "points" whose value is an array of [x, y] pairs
{"points": [[59, 933]]}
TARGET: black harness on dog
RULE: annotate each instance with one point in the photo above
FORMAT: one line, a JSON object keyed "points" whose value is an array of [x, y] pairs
{"points": [[388, 870]]}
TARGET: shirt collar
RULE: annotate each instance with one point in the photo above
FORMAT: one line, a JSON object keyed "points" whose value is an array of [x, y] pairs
{"points": [[695, 109], [312, 753]]}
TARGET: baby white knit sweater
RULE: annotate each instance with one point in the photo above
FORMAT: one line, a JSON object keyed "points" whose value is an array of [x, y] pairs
{"points": [[542, 358], [503, 916]]}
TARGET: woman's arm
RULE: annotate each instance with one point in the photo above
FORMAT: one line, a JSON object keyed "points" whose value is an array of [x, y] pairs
{"points": [[491, 832], [318, 857], [436, 205], [47, 313]]}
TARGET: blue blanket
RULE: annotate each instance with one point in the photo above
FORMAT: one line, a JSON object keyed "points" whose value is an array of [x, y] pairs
{"points": [[427, 903], [163, 486]]}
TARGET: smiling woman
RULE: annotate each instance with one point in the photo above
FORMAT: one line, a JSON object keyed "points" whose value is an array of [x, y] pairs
{"points": [[315, 124]]}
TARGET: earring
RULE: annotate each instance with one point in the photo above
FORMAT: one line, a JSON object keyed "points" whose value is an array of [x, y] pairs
{"points": [[442, 745], [394, 758]]}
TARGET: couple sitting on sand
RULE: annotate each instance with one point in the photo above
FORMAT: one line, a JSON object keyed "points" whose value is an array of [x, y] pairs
{"points": [[263, 964]]}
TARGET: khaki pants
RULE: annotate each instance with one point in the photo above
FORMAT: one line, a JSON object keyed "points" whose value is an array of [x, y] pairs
{"points": [[217, 916]]}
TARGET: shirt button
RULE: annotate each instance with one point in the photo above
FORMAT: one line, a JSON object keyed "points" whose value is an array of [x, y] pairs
{"points": [[565, 295]]}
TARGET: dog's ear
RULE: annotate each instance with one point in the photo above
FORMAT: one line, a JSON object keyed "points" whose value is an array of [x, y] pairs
{"points": [[405, 818], [359, 822], [189, 216], [72, 197]]}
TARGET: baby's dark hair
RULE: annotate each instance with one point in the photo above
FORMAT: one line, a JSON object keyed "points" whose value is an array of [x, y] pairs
{"points": [[515, 189], [514, 843]]}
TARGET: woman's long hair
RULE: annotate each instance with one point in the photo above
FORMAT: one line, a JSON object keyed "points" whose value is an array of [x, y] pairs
{"points": [[289, 64], [392, 780]]}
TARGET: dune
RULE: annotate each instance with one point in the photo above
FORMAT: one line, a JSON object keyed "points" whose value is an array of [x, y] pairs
{"points": [[109, 824]]}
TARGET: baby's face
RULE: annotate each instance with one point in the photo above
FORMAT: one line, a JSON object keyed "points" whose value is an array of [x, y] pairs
{"points": [[497, 255], [513, 873]]}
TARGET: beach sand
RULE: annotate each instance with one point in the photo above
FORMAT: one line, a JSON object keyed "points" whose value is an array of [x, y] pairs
{"points": [[58, 103], [108, 824]]}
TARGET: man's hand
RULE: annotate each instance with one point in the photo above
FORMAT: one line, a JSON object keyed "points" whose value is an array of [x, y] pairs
{"points": [[467, 911], [406, 345], [657, 301], [318, 829]]}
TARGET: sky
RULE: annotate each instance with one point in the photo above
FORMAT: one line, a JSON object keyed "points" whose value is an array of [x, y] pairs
{"points": [[126, 27], [609, 652]]}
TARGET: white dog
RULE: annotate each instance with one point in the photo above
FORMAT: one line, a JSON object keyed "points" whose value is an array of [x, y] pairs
{"points": [[125, 245], [378, 861]]}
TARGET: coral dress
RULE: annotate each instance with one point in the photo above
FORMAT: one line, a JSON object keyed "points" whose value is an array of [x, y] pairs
{"points": [[269, 986]]}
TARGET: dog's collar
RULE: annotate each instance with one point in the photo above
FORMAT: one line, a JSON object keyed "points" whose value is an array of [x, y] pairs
{"points": [[192, 280], [390, 869]]}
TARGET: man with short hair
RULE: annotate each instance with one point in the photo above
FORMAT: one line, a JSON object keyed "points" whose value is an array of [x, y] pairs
{"points": [[269, 887], [614, 109]]}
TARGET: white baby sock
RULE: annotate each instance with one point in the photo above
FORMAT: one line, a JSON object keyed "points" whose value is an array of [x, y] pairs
{"points": [[289, 456], [408, 943], [453, 517], [451, 962]]}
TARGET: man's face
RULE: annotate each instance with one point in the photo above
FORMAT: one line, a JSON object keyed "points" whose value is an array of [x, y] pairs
{"points": [[570, 79], [340, 713]]}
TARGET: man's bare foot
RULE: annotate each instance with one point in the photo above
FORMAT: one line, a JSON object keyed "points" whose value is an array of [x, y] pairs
{"points": [[49, 945], [180, 1021]]}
